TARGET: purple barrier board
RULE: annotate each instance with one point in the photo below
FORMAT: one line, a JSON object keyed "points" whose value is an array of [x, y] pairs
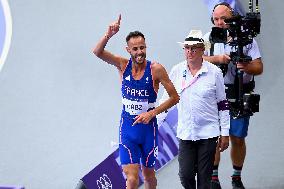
{"points": [[108, 174], [11, 187]]}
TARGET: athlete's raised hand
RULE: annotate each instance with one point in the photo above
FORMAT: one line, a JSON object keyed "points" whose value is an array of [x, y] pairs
{"points": [[113, 28]]}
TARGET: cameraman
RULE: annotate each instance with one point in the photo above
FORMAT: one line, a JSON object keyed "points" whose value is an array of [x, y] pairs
{"points": [[238, 127]]}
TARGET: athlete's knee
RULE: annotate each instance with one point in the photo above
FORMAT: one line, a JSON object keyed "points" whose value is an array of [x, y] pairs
{"points": [[149, 178], [132, 182], [151, 181], [132, 177]]}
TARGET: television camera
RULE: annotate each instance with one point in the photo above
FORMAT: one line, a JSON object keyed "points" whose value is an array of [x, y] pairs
{"points": [[240, 33]]}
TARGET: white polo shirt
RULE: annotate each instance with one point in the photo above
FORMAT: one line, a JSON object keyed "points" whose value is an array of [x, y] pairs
{"points": [[198, 114]]}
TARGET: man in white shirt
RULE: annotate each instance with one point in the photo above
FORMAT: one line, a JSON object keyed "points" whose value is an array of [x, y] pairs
{"points": [[203, 113]]}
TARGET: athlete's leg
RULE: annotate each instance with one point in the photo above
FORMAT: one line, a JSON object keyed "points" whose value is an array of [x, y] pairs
{"points": [[132, 177], [150, 181], [149, 154], [130, 153]]}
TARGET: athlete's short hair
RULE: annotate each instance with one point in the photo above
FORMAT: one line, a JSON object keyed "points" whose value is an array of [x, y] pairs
{"points": [[134, 34]]}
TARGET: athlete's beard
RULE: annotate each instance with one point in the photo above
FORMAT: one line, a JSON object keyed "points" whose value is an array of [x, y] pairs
{"points": [[139, 59]]}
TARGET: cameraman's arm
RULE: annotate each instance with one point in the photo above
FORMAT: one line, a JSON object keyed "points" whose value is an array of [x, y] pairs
{"points": [[254, 67], [217, 59]]}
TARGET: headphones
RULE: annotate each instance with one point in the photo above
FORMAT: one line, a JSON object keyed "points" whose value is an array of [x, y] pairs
{"points": [[228, 6]]}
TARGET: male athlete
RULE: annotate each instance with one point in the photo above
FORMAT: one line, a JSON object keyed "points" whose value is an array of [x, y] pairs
{"points": [[140, 80]]}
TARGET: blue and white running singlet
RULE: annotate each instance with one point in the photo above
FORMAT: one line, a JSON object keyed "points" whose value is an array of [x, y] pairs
{"points": [[138, 142]]}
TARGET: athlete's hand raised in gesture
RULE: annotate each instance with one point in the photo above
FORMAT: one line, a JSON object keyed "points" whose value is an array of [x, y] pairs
{"points": [[113, 28]]}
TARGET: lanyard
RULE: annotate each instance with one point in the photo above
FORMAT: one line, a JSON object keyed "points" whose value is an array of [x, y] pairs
{"points": [[183, 84]]}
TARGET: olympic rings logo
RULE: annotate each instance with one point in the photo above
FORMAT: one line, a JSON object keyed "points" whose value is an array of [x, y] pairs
{"points": [[104, 182]]}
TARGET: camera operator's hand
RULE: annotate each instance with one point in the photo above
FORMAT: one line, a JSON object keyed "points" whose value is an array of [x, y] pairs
{"points": [[223, 58], [243, 66], [223, 143], [253, 67]]}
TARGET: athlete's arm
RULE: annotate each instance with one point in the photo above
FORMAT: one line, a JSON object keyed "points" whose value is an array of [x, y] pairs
{"points": [[105, 55], [160, 76]]}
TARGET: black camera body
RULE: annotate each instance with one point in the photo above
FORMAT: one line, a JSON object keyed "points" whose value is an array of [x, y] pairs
{"points": [[241, 30], [250, 100], [240, 33], [250, 106]]}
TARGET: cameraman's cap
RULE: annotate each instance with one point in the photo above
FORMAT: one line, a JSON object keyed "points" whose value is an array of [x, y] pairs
{"points": [[195, 37]]}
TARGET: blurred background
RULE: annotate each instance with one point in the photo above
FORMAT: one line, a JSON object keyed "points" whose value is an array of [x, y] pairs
{"points": [[60, 105]]}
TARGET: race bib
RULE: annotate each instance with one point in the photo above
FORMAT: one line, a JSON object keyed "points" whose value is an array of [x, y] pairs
{"points": [[135, 107]]}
